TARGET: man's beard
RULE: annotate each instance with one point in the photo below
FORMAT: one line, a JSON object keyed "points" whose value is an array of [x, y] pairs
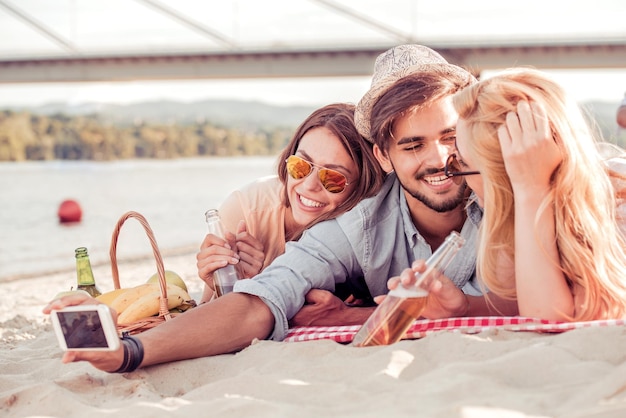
{"points": [[439, 206]]}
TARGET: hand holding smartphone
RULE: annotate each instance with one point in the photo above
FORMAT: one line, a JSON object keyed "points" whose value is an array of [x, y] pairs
{"points": [[86, 328]]}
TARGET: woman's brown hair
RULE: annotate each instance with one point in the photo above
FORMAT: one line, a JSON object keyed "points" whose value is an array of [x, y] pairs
{"points": [[339, 119]]}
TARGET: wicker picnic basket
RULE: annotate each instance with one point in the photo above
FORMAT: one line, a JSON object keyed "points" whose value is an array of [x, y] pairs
{"points": [[164, 313]]}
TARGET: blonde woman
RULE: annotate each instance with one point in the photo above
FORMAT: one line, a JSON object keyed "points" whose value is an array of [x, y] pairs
{"points": [[549, 238]]}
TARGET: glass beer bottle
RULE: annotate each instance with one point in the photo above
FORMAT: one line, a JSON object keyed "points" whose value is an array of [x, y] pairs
{"points": [[225, 277], [403, 305], [84, 274]]}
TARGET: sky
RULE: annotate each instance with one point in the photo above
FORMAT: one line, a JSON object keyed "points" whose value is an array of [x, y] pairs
{"points": [[94, 26]]}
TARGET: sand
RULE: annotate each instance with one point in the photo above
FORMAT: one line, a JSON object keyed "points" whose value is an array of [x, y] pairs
{"points": [[578, 373]]}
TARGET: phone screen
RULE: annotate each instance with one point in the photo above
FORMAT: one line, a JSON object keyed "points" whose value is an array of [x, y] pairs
{"points": [[82, 329]]}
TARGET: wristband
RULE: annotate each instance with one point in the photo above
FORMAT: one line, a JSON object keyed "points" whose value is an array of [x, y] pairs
{"points": [[133, 354]]}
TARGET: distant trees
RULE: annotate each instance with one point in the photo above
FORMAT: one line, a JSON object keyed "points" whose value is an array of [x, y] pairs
{"points": [[24, 136]]}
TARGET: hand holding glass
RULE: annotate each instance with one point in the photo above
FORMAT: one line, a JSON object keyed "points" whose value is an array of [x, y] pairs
{"points": [[402, 305]]}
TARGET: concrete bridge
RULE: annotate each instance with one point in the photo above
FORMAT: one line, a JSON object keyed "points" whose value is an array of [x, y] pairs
{"points": [[224, 57], [301, 62]]}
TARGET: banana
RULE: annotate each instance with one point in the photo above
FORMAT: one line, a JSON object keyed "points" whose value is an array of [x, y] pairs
{"points": [[148, 304], [125, 299], [108, 297]]}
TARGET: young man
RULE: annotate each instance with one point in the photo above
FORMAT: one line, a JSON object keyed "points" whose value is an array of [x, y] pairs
{"points": [[408, 115]]}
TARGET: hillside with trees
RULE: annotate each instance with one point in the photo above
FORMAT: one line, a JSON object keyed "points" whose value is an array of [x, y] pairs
{"points": [[173, 130], [146, 130]]}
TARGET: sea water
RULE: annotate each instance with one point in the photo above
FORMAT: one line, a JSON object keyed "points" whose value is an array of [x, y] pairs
{"points": [[172, 195]]}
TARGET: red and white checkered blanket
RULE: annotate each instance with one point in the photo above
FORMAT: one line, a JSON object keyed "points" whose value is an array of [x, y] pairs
{"points": [[472, 325]]}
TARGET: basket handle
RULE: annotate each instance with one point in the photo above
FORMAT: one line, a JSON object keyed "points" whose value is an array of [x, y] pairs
{"points": [[163, 309]]}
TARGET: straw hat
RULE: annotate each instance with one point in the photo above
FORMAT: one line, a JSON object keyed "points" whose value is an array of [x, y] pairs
{"points": [[394, 64]]}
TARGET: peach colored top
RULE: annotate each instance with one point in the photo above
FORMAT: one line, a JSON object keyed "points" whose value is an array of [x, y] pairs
{"points": [[260, 205]]}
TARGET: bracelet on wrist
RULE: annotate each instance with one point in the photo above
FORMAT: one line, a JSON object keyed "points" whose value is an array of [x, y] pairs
{"points": [[133, 354]]}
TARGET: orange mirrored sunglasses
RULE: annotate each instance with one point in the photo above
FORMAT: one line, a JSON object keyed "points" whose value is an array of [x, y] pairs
{"points": [[332, 180]]}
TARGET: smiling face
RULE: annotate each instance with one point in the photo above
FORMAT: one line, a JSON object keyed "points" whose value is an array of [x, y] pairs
{"points": [[423, 141], [463, 156], [308, 198]]}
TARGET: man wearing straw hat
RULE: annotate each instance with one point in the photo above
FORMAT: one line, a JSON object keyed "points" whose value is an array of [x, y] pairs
{"points": [[408, 115]]}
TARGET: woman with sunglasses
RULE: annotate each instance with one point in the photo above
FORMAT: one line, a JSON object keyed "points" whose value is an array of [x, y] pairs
{"points": [[325, 170], [549, 238]]}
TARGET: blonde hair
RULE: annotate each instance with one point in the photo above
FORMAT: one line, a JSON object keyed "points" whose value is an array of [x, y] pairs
{"points": [[591, 248]]}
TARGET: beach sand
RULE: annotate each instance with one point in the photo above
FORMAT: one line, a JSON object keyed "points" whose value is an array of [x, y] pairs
{"points": [[579, 373]]}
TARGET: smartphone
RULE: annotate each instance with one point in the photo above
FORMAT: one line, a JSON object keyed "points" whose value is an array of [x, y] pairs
{"points": [[85, 328]]}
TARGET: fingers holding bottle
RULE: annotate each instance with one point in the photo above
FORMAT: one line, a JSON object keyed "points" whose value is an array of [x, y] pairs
{"points": [[215, 253], [251, 252]]}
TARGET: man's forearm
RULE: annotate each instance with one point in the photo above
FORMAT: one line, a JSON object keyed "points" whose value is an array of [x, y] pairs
{"points": [[225, 325], [347, 316], [491, 305]]}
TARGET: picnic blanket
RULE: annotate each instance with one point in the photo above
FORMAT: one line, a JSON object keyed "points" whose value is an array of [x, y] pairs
{"points": [[466, 325]]}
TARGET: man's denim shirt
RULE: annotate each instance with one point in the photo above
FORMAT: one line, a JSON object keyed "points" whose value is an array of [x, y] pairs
{"points": [[376, 240]]}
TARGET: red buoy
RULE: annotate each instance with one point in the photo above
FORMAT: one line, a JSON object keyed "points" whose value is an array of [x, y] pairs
{"points": [[69, 211], [621, 117], [621, 114]]}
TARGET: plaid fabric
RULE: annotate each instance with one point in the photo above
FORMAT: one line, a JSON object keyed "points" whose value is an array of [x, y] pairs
{"points": [[471, 325]]}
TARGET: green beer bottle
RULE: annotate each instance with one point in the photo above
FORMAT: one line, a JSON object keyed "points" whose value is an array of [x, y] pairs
{"points": [[84, 273]]}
